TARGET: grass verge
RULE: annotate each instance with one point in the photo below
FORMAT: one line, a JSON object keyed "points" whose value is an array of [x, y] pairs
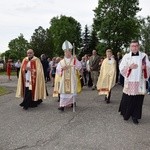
{"points": [[3, 91], [13, 73]]}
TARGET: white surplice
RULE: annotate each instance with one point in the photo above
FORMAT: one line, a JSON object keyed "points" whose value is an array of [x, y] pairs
{"points": [[135, 83]]}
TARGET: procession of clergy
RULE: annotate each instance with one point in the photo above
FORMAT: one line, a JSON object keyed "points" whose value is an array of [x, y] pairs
{"points": [[134, 67]]}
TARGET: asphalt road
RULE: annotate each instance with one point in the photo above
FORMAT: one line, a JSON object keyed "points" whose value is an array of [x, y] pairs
{"points": [[94, 126]]}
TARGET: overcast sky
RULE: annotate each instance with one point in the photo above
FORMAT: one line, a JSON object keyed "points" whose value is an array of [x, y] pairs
{"points": [[24, 16]]}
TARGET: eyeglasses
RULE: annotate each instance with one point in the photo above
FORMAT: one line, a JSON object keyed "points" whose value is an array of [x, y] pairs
{"points": [[134, 45]]}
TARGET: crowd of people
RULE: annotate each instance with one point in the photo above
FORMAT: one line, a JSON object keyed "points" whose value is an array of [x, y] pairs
{"points": [[68, 75]]}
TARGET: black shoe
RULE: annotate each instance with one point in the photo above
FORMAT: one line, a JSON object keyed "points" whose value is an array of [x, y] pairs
{"points": [[74, 104], [108, 101], [25, 108], [33, 106], [39, 101], [125, 118], [93, 88], [21, 104], [135, 121], [61, 108]]}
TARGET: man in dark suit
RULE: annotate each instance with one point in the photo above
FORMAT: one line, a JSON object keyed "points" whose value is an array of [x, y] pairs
{"points": [[94, 68]]}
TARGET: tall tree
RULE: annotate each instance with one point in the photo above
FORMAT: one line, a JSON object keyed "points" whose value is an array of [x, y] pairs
{"points": [[41, 42], [86, 40], [93, 40], [9, 54], [17, 48], [145, 34], [64, 28], [116, 22]]}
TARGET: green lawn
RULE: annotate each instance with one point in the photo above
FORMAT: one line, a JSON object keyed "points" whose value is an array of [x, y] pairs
{"points": [[13, 73], [3, 91]]}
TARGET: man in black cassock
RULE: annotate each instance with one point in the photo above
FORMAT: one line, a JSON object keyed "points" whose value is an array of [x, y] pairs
{"points": [[135, 68]]}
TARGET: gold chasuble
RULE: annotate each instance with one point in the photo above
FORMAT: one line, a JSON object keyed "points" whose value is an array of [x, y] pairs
{"points": [[70, 79], [37, 81], [56, 85], [107, 77]]}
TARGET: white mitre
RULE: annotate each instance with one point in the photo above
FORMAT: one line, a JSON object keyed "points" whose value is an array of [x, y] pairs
{"points": [[67, 46]]}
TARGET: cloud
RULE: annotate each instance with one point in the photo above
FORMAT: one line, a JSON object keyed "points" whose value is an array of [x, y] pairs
{"points": [[18, 16], [145, 8]]}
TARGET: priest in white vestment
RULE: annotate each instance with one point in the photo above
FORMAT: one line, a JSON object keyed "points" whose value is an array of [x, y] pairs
{"points": [[68, 69], [135, 68], [107, 78]]}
